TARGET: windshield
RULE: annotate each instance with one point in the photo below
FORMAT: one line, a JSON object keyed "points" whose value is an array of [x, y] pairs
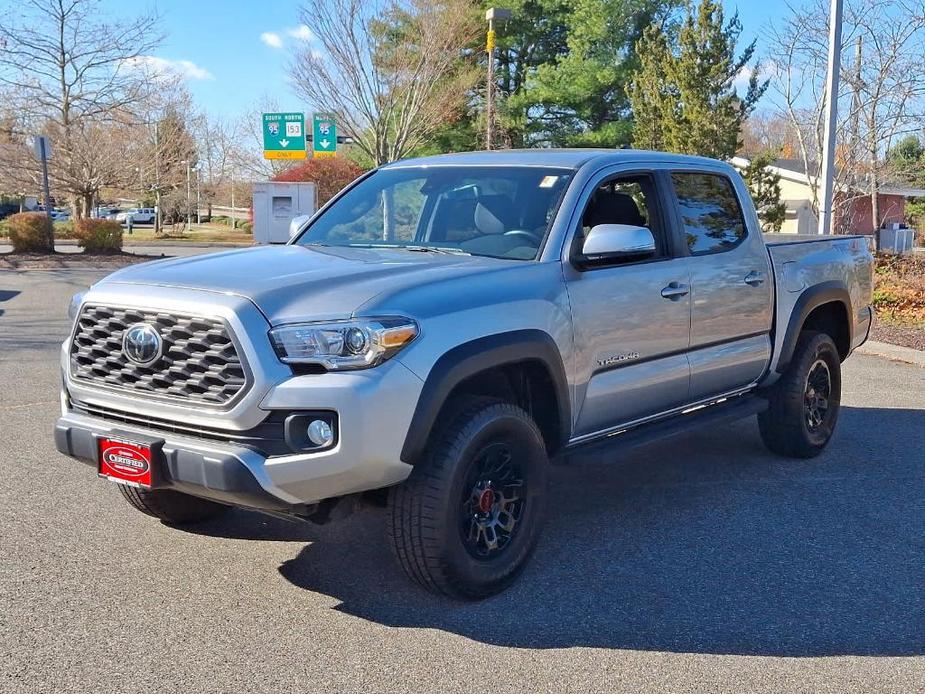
{"points": [[496, 211]]}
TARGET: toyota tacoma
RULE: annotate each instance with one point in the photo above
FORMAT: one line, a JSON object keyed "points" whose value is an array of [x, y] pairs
{"points": [[444, 328]]}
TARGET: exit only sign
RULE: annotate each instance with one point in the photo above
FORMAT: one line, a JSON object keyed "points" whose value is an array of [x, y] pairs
{"points": [[283, 136]]}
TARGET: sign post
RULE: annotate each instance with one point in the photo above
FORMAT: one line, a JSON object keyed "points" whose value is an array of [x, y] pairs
{"points": [[284, 136], [41, 146], [324, 136]]}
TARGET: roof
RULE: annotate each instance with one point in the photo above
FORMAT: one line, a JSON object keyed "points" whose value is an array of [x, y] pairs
{"points": [[795, 170], [566, 158]]}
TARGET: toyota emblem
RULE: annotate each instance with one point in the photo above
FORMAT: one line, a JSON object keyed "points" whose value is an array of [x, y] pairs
{"points": [[142, 344]]}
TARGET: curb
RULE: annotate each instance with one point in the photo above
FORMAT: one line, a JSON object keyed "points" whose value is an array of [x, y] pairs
{"points": [[893, 352]]}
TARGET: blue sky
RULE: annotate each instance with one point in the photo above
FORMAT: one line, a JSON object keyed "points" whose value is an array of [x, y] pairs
{"points": [[235, 53]]}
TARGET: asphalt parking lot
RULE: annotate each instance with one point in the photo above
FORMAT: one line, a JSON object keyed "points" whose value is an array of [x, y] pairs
{"points": [[702, 563]]}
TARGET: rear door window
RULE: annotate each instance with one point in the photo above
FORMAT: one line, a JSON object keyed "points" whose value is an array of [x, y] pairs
{"points": [[710, 212]]}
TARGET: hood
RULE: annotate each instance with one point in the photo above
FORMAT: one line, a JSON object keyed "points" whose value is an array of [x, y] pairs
{"points": [[293, 283]]}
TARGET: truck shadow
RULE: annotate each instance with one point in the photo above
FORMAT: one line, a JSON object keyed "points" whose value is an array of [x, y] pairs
{"points": [[705, 543]]}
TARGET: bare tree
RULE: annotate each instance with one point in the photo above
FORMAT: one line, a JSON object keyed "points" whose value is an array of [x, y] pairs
{"points": [[75, 76], [249, 161], [883, 74], [220, 155], [391, 71]]}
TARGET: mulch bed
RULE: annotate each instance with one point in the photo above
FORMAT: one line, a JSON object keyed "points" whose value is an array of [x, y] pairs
{"points": [[903, 335], [57, 261]]}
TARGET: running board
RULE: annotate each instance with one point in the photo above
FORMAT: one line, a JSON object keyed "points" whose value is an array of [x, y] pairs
{"points": [[729, 410]]}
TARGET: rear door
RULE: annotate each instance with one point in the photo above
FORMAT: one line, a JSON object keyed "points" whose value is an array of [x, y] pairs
{"points": [[631, 318], [731, 283]]}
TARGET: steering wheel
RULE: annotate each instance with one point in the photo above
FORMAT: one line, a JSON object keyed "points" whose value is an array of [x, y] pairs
{"points": [[523, 232]]}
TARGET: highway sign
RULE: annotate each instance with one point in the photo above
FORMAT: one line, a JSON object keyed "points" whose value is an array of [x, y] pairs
{"points": [[324, 136], [283, 136]]}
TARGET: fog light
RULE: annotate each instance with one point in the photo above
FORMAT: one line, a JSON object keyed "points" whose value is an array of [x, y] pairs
{"points": [[320, 433]]}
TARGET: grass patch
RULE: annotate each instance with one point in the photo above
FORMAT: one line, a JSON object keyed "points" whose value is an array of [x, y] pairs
{"points": [[199, 233]]}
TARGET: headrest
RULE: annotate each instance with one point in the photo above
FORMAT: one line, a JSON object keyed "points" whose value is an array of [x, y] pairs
{"points": [[613, 208]]}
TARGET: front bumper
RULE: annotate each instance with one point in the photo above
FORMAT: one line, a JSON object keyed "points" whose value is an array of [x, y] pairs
{"points": [[374, 410], [218, 472]]}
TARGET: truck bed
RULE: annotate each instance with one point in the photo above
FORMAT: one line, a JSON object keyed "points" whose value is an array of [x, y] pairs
{"points": [[788, 239], [802, 262]]}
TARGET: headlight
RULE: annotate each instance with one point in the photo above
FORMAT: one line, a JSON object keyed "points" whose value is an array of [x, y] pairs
{"points": [[340, 345], [74, 306]]}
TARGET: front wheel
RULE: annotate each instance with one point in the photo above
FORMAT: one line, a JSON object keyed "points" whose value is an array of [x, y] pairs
{"points": [[172, 506], [805, 402], [467, 519]]}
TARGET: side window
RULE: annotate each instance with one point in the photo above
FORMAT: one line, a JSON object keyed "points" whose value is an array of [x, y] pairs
{"points": [[624, 200], [710, 212]]}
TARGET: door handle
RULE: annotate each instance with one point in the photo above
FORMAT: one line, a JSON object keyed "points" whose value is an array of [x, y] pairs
{"points": [[754, 278], [675, 291]]}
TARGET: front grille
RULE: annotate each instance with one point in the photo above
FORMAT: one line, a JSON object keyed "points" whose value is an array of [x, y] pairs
{"points": [[199, 362]]}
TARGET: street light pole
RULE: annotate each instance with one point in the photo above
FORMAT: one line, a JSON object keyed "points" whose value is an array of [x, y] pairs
{"points": [[198, 196], [827, 173], [187, 196], [234, 220], [492, 14]]}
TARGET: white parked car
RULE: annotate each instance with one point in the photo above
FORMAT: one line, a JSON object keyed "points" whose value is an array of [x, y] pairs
{"points": [[139, 215], [60, 215]]}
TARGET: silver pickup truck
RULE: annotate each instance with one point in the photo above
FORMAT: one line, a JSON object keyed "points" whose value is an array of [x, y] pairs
{"points": [[446, 326]]}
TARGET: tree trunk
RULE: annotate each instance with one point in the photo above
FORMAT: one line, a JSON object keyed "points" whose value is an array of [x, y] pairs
{"points": [[875, 193], [88, 205]]}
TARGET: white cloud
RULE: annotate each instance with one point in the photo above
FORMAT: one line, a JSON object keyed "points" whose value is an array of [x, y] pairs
{"points": [[766, 71], [301, 32], [272, 39], [164, 67]]}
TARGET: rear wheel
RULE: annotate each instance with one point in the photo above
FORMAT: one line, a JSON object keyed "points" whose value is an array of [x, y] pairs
{"points": [[172, 506], [805, 402], [466, 521]]}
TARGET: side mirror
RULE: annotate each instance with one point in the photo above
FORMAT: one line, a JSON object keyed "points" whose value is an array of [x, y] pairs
{"points": [[614, 241], [295, 226]]}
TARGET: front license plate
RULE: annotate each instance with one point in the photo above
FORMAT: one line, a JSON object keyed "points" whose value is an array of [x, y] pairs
{"points": [[125, 462]]}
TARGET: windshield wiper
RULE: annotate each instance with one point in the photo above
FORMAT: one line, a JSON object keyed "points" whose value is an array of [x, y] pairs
{"points": [[436, 249], [448, 250]]}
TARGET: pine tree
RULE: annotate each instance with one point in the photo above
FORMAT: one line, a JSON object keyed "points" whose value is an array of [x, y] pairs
{"points": [[683, 96], [764, 186]]}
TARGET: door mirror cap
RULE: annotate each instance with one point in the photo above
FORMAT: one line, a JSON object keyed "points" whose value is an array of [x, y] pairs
{"points": [[295, 226], [612, 241]]}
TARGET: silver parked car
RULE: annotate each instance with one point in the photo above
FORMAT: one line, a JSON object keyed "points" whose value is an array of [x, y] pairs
{"points": [[445, 327]]}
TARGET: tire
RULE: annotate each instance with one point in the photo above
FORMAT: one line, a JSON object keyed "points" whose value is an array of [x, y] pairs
{"points": [[794, 425], [172, 506], [467, 519]]}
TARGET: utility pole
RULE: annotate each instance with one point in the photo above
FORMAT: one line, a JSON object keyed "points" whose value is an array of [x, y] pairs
{"points": [[827, 172], [492, 14], [42, 146]]}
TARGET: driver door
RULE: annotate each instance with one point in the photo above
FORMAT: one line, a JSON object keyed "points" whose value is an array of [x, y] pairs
{"points": [[632, 318]]}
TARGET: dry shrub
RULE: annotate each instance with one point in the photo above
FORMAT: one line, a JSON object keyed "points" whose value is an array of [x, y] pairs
{"points": [[29, 232], [99, 235], [899, 288]]}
